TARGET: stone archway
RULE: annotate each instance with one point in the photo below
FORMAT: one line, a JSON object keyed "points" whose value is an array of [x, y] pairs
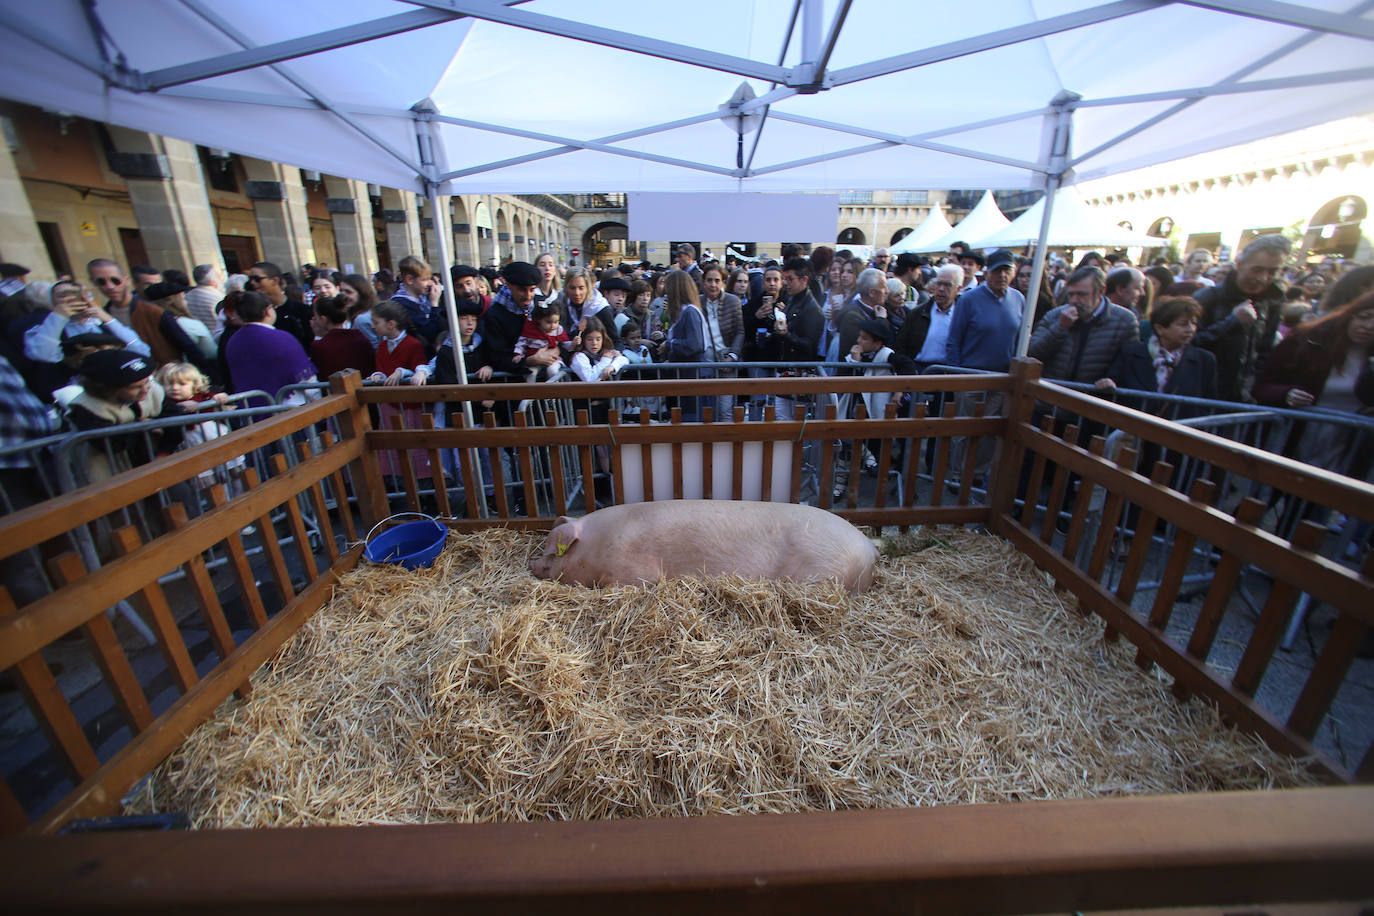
{"points": [[1335, 229], [851, 236], [900, 234], [604, 243]]}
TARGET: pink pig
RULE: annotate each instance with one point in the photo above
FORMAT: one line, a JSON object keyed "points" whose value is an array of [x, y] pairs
{"points": [[644, 542]]}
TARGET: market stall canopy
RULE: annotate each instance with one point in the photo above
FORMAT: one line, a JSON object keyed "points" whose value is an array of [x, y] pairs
{"points": [[934, 226], [551, 96], [983, 220], [1073, 224]]}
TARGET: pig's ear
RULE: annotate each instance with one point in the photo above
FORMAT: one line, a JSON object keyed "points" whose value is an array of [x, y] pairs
{"points": [[563, 520], [564, 547]]}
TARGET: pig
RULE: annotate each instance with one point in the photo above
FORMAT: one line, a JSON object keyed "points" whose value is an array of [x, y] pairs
{"points": [[644, 542]]}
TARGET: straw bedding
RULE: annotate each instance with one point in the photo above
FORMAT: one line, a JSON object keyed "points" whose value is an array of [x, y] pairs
{"points": [[472, 692]]}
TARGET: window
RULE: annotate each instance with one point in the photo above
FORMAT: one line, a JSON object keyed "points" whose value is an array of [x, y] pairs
{"points": [[910, 197], [856, 197]]}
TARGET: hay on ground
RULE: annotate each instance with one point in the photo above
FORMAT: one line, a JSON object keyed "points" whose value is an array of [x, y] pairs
{"points": [[473, 692]]}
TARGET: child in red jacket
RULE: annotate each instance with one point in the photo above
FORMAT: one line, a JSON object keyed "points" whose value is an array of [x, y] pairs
{"points": [[398, 353]]}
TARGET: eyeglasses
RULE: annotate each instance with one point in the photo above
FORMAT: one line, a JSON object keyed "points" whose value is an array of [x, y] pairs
{"points": [[108, 281]]}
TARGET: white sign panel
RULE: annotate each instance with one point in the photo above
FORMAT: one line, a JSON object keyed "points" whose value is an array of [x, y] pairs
{"points": [[753, 217]]}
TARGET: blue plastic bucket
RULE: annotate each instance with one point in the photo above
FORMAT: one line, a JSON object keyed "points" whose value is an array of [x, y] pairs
{"points": [[412, 545]]}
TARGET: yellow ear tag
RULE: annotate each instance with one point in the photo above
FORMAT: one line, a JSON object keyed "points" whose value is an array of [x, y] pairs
{"points": [[562, 548]]}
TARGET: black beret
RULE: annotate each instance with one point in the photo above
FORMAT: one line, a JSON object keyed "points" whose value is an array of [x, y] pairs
{"points": [[521, 273], [459, 271], [614, 283], [164, 290], [877, 329], [90, 339]]}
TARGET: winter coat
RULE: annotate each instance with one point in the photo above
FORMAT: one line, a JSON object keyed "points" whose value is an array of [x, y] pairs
{"points": [[1239, 350], [1058, 347]]}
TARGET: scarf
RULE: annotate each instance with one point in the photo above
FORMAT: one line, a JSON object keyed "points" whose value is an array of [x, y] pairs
{"points": [[1164, 362], [504, 299]]}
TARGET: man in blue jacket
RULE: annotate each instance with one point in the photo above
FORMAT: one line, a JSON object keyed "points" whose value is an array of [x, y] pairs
{"points": [[987, 318], [982, 335]]}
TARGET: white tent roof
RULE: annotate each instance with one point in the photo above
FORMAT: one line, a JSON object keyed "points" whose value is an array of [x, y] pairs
{"points": [[557, 96], [1073, 224], [983, 220], [934, 226]]}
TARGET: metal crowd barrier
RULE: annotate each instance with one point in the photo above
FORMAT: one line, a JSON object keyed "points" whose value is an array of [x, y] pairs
{"points": [[65, 462]]}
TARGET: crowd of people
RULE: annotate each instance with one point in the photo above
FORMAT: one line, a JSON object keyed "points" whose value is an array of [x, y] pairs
{"points": [[148, 343]]}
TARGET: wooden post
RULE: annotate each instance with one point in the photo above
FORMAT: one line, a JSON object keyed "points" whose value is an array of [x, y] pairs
{"points": [[364, 473], [1002, 488]]}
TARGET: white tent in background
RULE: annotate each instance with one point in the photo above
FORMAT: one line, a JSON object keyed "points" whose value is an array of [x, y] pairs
{"points": [[934, 226], [1073, 224], [982, 220]]}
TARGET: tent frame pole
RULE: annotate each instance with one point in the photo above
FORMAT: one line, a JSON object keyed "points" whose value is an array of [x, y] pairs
{"points": [[1058, 154], [431, 154]]}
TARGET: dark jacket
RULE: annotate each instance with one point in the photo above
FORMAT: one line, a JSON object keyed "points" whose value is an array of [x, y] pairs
{"points": [[500, 329], [805, 323], [1239, 350], [1084, 351], [1194, 376], [847, 324], [911, 336], [1304, 359]]}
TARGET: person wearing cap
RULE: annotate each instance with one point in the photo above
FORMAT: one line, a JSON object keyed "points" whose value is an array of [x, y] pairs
{"points": [[74, 352], [170, 296], [908, 269], [982, 335], [73, 312], [466, 286], [987, 319], [872, 350], [616, 290], [118, 388], [973, 263], [1078, 341], [503, 321]]}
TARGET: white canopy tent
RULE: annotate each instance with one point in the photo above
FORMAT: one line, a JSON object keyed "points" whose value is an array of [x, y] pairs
{"points": [[1073, 224], [449, 96], [934, 226], [983, 220]]}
